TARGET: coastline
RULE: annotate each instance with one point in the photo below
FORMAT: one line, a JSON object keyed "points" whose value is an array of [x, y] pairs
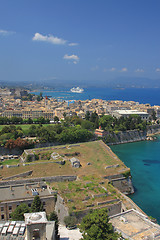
{"points": [[143, 160]]}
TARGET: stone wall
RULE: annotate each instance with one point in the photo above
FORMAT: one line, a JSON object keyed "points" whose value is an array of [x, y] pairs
{"points": [[115, 176], [127, 136], [133, 135], [154, 129], [111, 208], [61, 209], [124, 185], [25, 174], [41, 179]]}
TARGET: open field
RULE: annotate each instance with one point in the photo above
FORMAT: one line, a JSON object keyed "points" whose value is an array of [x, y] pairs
{"points": [[10, 162], [24, 127], [96, 154], [85, 192], [91, 190]]}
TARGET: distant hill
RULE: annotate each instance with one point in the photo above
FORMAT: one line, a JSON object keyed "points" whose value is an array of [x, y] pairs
{"points": [[121, 82]]}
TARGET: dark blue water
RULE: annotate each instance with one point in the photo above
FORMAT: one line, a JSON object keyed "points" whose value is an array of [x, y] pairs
{"points": [[141, 95], [143, 158]]}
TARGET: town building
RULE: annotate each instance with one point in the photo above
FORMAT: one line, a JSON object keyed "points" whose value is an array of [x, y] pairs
{"points": [[12, 196], [127, 113], [34, 227], [134, 225]]}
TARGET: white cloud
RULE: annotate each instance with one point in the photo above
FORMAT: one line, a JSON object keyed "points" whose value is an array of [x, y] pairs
{"points": [[73, 57], [50, 38], [5, 32], [140, 70], [157, 69], [124, 70], [72, 44]]}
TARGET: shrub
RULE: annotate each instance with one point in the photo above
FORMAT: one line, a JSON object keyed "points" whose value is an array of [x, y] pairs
{"points": [[127, 174], [29, 158], [36, 156], [70, 221]]}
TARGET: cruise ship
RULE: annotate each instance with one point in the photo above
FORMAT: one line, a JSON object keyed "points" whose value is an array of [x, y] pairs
{"points": [[77, 89]]}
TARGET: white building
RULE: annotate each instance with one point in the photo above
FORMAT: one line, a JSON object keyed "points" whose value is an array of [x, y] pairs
{"points": [[127, 113]]}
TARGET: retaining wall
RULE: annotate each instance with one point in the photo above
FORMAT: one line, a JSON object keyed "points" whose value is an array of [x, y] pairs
{"points": [[41, 179]]}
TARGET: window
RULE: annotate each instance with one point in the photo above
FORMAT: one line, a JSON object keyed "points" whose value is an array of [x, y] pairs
{"points": [[2, 217], [10, 208], [2, 209], [29, 204], [44, 203], [10, 216]]}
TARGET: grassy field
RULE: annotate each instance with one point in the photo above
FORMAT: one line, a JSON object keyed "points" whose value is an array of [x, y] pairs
{"points": [[24, 127], [10, 162], [86, 192], [95, 153], [91, 188]]}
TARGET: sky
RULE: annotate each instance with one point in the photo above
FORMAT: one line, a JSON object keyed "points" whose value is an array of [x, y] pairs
{"points": [[79, 40]]}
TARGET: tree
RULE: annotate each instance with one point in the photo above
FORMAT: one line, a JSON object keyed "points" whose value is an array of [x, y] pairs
{"points": [[96, 226], [32, 131], [106, 121], [87, 124], [70, 221], [87, 115], [56, 119], [41, 120], [37, 205], [18, 214], [93, 117], [40, 97], [18, 143], [53, 217], [74, 134]]}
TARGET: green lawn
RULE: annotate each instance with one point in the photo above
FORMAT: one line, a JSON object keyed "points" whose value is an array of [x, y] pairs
{"points": [[10, 162], [24, 127]]}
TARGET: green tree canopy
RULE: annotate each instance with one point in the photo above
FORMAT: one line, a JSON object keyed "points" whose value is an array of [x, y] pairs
{"points": [[18, 214], [106, 121], [96, 226], [37, 205], [53, 217], [87, 115]]}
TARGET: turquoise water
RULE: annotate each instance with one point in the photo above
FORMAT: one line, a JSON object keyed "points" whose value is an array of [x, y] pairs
{"points": [[143, 158]]}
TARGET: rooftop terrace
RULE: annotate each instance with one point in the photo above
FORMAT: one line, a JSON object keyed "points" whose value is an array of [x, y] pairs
{"points": [[134, 225], [22, 191]]}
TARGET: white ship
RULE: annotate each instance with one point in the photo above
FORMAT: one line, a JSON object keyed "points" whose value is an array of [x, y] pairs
{"points": [[77, 89]]}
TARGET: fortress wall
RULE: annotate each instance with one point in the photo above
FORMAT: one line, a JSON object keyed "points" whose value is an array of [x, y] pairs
{"points": [[111, 208], [34, 180], [61, 209]]}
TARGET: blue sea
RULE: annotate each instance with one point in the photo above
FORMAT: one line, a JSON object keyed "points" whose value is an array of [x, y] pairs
{"points": [[142, 157], [141, 95]]}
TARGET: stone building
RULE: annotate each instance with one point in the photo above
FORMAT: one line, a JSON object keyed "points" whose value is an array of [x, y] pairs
{"points": [[13, 195], [75, 162], [34, 227], [37, 227]]}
